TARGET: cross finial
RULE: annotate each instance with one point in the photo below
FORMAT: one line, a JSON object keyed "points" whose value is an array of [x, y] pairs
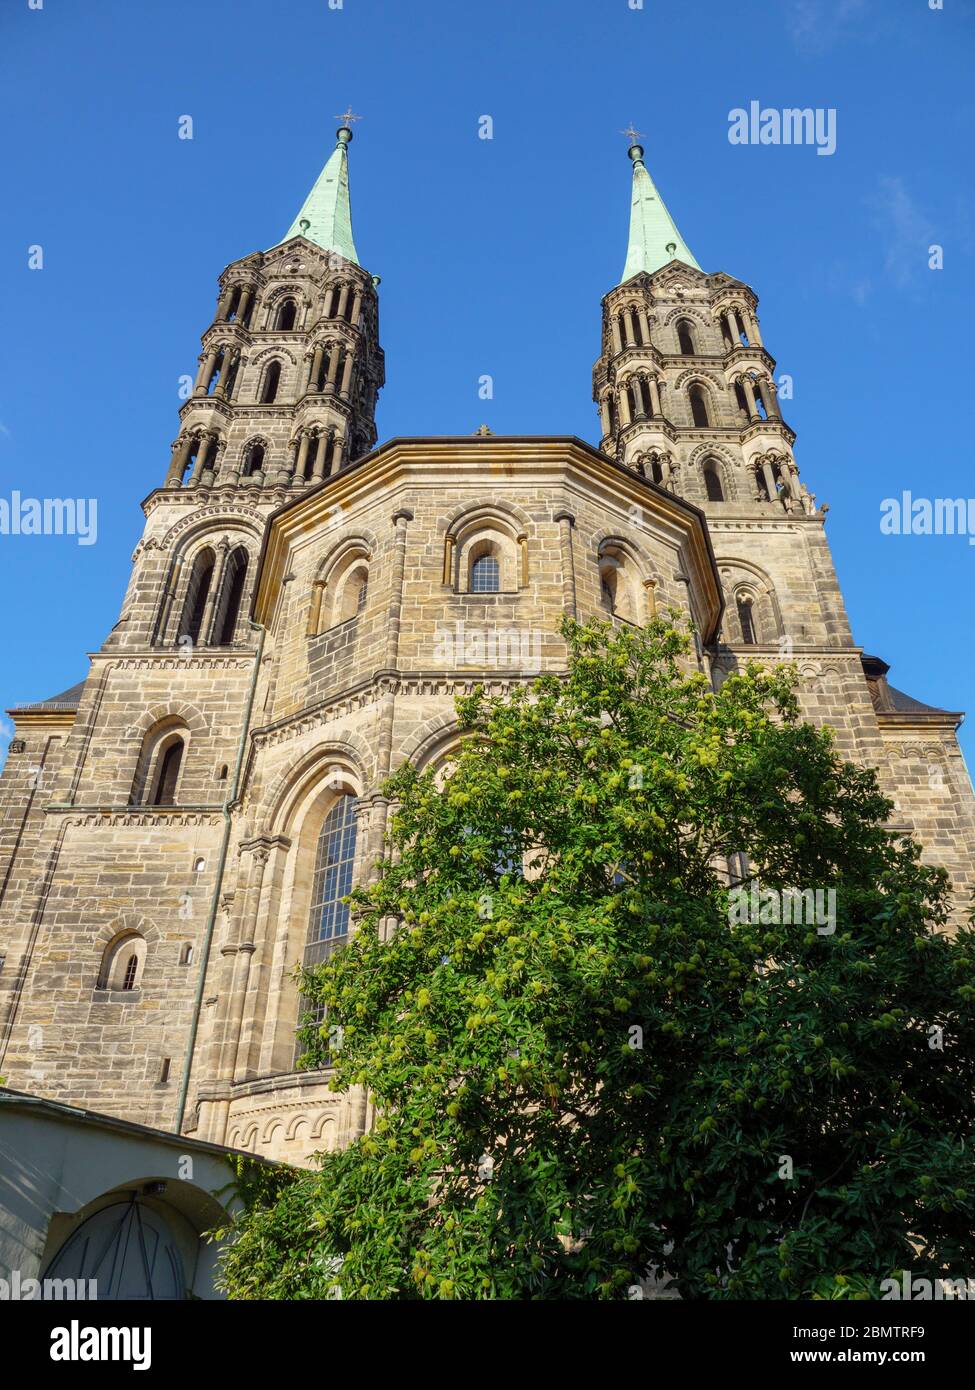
{"points": [[632, 134], [349, 117]]}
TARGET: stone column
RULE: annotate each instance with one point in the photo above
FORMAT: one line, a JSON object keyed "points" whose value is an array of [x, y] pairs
{"points": [[604, 414], [347, 374], [315, 611], [343, 302], [333, 364], [337, 447], [318, 466], [644, 324], [650, 585], [246, 295], [356, 308], [304, 440], [614, 326], [769, 477], [177, 467], [201, 456], [523, 549], [316, 367], [225, 368], [754, 333], [237, 953], [401, 520], [223, 304], [449, 546], [749, 389], [624, 407], [165, 617], [655, 397], [257, 948], [206, 371], [630, 338], [767, 392], [732, 317], [216, 581], [566, 521]]}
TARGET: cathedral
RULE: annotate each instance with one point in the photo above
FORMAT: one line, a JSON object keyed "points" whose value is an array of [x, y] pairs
{"points": [[178, 831]]}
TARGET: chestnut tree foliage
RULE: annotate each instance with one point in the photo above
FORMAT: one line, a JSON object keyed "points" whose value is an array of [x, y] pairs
{"points": [[582, 1068]]}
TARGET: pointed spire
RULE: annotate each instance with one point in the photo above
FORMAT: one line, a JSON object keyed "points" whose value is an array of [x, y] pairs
{"points": [[326, 215], [654, 238]]}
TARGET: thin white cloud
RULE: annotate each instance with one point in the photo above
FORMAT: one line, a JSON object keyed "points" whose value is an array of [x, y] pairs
{"points": [[819, 25], [905, 231]]}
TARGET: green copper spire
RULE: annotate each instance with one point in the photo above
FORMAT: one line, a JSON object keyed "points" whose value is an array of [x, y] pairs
{"points": [[654, 238], [326, 216]]}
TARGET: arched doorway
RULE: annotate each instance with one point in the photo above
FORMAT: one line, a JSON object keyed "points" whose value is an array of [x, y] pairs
{"points": [[128, 1250]]}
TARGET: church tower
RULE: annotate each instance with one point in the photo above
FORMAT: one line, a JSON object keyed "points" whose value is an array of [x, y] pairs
{"points": [[291, 366], [686, 392], [115, 803]]}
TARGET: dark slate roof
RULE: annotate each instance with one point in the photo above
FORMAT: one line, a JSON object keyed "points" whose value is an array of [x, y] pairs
{"points": [[68, 699], [887, 699], [906, 704]]}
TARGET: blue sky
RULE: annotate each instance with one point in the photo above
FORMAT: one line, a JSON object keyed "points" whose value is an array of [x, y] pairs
{"points": [[493, 254]]}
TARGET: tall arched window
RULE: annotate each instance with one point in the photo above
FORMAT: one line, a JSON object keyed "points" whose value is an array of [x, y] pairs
{"points": [[228, 606], [712, 482], [618, 583], [169, 761], [485, 575], [354, 593], [253, 460], [745, 618], [272, 378], [685, 338], [328, 923], [699, 406], [122, 962], [287, 314], [215, 374], [231, 378], [197, 592]]}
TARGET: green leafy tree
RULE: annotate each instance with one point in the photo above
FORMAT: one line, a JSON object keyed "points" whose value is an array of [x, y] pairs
{"points": [[587, 1062]]}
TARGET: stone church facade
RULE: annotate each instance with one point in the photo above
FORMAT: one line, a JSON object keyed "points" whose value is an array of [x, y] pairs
{"points": [[176, 832]]}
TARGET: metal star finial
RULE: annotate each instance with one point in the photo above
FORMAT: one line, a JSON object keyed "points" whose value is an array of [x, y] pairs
{"points": [[349, 117], [632, 134]]}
